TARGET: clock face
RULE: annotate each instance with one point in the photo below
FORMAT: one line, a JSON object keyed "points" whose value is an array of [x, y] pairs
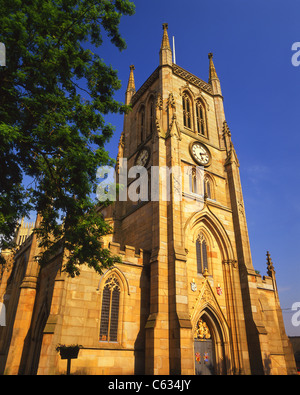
{"points": [[142, 158], [200, 154]]}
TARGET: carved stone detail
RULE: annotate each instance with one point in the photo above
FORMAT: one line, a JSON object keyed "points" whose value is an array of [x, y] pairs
{"points": [[202, 331], [192, 79], [232, 262], [153, 77]]}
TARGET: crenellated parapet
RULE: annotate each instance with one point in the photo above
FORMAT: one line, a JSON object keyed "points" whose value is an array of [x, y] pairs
{"points": [[129, 254]]}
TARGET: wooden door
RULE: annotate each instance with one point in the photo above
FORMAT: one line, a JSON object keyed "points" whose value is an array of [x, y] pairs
{"points": [[204, 357]]}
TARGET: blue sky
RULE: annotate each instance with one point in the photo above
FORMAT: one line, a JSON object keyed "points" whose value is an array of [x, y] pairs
{"points": [[251, 42]]}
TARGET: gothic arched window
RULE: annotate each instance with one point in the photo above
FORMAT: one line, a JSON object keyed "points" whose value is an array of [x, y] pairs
{"points": [[201, 253], [151, 115], [110, 310], [200, 116], [207, 188], [142, 125], [193, 181], [187, 110]]}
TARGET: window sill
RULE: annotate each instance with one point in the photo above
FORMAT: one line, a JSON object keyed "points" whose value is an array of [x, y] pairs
{"points": [[103, 345], [193, 195], [117, 346], [192, 132]]}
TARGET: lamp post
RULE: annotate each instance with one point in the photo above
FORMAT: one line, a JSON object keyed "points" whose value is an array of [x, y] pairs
{"points": [[68, 353]]}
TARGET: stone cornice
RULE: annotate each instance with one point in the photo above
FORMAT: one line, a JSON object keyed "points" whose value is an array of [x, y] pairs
{"points": [[146, 85], [191, 78], [177, 70]]}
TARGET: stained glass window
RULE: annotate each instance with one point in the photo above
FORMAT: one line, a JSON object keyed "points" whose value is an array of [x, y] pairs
{"points": [[201, 254], [110, 310]]}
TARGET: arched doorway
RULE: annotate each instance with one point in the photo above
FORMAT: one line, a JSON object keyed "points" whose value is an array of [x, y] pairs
{"points": [[208, 346], [204, 350]]}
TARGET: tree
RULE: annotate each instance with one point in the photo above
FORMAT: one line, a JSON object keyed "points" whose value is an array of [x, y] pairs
{"points": [[54, 94]]}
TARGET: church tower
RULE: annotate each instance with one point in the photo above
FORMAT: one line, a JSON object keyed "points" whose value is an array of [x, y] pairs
{"points": [[184, 298], [209, 311]]}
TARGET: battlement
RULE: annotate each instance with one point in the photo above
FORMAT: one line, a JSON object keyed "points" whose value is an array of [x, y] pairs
{"points": [[265, 282], [129, 254]]}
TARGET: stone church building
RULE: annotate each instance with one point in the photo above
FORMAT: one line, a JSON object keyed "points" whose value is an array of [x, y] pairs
{"points": [[186, 298]]}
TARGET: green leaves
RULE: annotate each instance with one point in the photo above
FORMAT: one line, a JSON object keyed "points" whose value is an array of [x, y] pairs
{"points": [[54, 94]]}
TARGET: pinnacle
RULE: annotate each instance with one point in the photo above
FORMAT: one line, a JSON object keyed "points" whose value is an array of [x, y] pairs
{"points": [[165, 53], [165, 40], [212, 70], [270, 266], [131, 83], [130, 91]]}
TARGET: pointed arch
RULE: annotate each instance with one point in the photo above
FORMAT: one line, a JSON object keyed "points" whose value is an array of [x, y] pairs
{"points": [[219, 333], [206, 233], [109, 321], [113, 288], [209, 186], [207, 301], [218, 325], [123, 279], [195, 179], [187, 109], [150, 114], [201, 121], [208, 220], [141, 124], [208, 310], [201, 254], [209, 245]]}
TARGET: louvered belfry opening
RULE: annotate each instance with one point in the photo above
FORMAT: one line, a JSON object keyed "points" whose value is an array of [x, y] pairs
{"points": [[201, 253]]}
